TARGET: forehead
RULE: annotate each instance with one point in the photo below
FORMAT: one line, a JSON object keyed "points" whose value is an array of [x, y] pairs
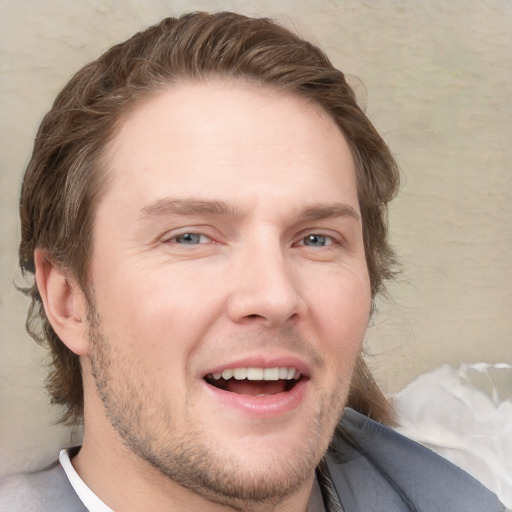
{"points": [[229, 140]]}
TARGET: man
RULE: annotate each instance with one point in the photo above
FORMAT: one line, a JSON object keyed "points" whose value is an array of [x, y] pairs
{"points": [[204, 212]]}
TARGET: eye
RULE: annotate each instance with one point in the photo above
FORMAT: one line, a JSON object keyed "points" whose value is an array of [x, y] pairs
{"points": [[190, 239], [316, 240]]}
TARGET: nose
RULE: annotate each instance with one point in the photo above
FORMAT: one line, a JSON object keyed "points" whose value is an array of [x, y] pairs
{"points": [[265, 288]]}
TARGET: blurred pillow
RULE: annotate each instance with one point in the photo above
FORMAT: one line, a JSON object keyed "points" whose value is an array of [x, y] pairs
{"points": [[465, 415]]}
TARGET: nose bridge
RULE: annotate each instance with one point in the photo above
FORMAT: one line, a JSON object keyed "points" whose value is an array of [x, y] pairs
{"points": [[264, 284]]}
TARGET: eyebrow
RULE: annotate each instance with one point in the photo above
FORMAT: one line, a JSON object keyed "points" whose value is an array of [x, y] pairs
{"points": [[170, 206], [324, 211]]}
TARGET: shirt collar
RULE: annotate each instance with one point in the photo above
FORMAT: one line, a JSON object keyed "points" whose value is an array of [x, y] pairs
{"points": [[88, 498]]}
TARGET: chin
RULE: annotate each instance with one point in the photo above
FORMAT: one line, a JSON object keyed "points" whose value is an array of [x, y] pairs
{"points": [[256, 468], [265, 478]]}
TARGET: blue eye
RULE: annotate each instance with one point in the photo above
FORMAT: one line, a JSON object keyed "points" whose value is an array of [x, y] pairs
{"points": [[190, 239], [315, 240]]}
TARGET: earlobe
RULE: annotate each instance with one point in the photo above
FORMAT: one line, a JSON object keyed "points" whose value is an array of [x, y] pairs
{"points": [[63, 302]]}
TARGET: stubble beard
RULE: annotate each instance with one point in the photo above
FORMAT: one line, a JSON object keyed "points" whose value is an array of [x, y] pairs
{"points": [[145, 425]]}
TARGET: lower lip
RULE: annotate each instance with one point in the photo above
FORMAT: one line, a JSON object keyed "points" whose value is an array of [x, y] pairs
{"points": [[268, 406]]}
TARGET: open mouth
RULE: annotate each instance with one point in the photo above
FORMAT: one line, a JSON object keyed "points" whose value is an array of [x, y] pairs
{"points": [[255, 381]]}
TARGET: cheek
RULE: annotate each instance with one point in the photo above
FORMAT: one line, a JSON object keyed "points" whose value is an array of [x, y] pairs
{"points": [[343, 304], [341, 314], [156, 315]]}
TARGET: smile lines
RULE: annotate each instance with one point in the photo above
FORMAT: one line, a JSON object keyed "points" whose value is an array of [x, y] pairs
{"points": [[261, 374]]}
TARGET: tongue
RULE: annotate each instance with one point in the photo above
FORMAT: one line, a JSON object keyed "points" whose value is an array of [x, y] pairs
{"points": [[256, 387]]}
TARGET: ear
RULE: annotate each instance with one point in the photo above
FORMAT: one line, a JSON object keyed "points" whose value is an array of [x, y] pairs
{"points": [[64, 303]]}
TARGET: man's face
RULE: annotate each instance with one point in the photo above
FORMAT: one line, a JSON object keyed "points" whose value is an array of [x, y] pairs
{"points": [[228, 248]]}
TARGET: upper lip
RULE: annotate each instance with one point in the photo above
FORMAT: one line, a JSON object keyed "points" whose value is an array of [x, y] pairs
{"points": [[262, 361]]}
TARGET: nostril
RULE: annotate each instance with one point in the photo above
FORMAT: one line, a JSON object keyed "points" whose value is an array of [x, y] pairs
{"points": [[264, 304]]}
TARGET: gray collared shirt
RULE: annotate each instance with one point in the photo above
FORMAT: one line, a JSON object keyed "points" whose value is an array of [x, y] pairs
{"points": [[370, 467]]}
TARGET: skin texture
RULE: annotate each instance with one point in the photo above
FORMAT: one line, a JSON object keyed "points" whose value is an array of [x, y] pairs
{"points": [[272, 269]]}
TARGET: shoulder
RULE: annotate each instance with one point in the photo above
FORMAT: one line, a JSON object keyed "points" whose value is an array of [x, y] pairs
{"points": [[375, 468], [40, 491]]}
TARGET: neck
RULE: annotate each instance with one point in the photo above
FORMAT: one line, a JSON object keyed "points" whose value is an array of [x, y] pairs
{"points": [[125, 481]]}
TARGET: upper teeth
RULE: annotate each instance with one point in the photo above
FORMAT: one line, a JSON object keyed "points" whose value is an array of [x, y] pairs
{"points": [[258, 374]]}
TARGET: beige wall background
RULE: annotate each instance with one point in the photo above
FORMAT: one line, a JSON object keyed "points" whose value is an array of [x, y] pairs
{"points": [[437, 81]]}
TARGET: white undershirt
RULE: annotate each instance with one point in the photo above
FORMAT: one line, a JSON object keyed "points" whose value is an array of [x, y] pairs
{"points": [[88, 498]]}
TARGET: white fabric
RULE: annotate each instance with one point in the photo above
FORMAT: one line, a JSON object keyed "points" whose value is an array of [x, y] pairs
{"points": [[88, 498], [465, 415]]}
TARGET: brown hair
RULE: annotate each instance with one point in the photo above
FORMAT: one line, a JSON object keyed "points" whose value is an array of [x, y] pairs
{"points": [[63, 182]]}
